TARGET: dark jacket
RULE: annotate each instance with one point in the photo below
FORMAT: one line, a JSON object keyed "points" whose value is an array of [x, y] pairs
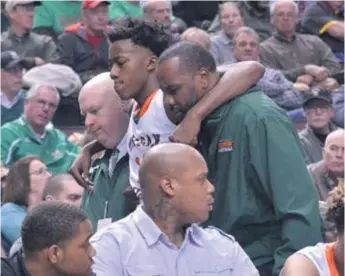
{"points": [[76, 52], [263, 193]]}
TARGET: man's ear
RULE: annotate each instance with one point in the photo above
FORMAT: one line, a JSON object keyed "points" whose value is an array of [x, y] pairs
{"points": [[168, 186], [55, 254], [203, 78], [151, 64]]}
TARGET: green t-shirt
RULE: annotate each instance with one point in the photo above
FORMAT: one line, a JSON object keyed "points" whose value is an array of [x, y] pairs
{"points": [[123, 8], [57, 14]]}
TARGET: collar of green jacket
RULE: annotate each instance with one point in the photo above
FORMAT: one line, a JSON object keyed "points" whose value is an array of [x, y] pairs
{"points": [[29, 131]]}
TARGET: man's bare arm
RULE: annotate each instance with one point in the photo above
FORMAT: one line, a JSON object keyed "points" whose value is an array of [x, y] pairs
{"points": [[299, 265], [336, 30], [238, 78]]}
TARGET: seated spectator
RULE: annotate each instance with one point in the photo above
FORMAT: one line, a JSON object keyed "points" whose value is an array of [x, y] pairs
{"points": [[327, 172], [109, 172], [197, 36], [338, 105], [176, 197], [324, 259], [24, 189], [64, 188], [52, 17], [160, 11], [319, 111], [124, 8], [326, 20], [37, 49], [12, 94], [273, 83], [256, 15], [84, 46], [230, 20], [55, 242], [34, 134], [59, 187], [302, 58]]}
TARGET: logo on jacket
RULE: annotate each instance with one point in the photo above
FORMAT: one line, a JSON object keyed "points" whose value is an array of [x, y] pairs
{"points": [[225, 146], [144, 140]]}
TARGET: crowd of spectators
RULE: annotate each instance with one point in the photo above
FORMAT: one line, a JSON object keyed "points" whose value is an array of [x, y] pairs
{"points": [[257, 87]]}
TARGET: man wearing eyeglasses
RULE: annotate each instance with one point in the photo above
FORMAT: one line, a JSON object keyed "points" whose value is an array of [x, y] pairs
{"points": [[12, 95], [37, 49], [319, 111]]}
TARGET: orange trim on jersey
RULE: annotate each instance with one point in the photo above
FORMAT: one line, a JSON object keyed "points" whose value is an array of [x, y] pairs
{"points": [[146, 104], [327, 26], [330, 260]]}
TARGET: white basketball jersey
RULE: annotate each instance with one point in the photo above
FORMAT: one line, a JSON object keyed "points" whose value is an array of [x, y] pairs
{"points": [[322, 256], [148, 127]]}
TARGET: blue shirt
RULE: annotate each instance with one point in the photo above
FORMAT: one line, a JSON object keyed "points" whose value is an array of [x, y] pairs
{"points": [[136, 246], [12, 216]]}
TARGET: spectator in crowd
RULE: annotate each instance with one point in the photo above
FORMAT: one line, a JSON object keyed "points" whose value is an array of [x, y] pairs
{"points": [[338, 105], [323, 258], [134, 44], [230, 20], [52, 17], [256, 15], [33, 133], [176, 197], [124, 8], [24, 189], [326, 20], [327, 172], [64, 188], [302, 58], [319, 111], [83, 46], [197, 35], [61, 187], [12, 94], [273, 83], [160, 11], [55, 242], [106, 119], [37, 49], [242, 144]]}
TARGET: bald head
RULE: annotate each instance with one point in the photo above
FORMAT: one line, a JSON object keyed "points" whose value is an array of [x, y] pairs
{"points": [[333, 153], [106, 115], [337, 135], [166, 161]]}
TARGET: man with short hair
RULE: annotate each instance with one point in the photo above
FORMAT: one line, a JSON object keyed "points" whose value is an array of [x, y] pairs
{"points": [[33, 133], [263, 193], [12, 94], [318, 109], [63, 187], [327, 172], [303, 58], [55, 242], [106, 119], [273, 83], [37, 49], [83, 46], [162, 236]]}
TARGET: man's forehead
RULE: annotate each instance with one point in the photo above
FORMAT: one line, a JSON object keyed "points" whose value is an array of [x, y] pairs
{"points": [[124, 47]]}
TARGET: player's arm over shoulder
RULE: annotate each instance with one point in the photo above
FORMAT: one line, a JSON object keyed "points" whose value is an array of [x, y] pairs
{"points": [[299, 265]]}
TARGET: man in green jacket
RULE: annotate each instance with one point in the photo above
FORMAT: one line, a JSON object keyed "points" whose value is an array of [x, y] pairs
{"points": [[263, 193], [33, 134], [106, 119]]}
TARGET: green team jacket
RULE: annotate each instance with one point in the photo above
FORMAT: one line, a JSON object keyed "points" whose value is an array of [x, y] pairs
{"points": [[107, 199], [263, 193], [18, 140]]}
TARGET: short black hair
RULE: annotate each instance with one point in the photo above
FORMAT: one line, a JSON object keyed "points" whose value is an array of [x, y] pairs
{"points": [[54, 184], [192, 57], [335, 207], [142, 32], [50, 223]]}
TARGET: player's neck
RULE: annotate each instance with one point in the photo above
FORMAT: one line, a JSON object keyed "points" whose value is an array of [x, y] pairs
{"points": [[150, 86]]}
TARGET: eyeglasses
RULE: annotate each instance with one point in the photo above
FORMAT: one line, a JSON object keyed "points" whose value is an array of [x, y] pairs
{"points": [[40, 171], [26, 8], [43, 103]]}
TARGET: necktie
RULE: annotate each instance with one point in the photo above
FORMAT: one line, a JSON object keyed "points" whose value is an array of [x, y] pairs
{"points": [[112, 162]]}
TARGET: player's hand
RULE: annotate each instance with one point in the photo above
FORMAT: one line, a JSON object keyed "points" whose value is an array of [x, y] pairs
{"points": [[187, 131], [80, 169]]}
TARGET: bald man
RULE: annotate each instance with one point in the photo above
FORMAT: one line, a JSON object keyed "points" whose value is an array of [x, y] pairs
{"points": [[106, 119], [327, 173], [162, 236]]}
